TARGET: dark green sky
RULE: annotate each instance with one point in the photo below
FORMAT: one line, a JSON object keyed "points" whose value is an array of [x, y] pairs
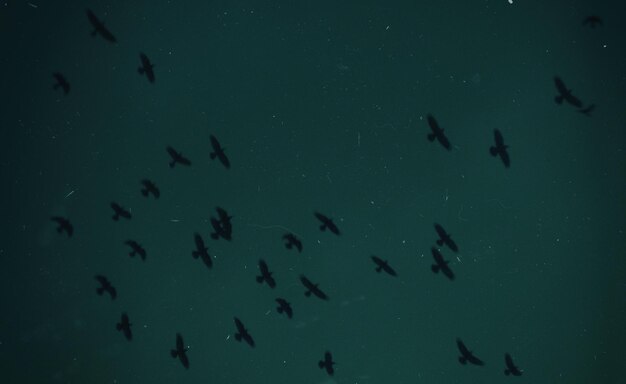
{"points": [[321, 106]]}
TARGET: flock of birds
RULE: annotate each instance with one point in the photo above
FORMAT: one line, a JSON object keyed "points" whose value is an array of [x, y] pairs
{"points": [[222, 226]]}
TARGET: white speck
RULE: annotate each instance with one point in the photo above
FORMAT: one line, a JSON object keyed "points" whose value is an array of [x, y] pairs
{"points": [[268, 312], [33, 5], [174, 220], [386, 29], [70, 194], [510, 1], [227, 337]]}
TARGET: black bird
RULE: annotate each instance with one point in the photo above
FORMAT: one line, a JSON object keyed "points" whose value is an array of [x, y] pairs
{"points": [[292, 241], [223, 216], [63, 225], [146, 67], [177, 157], [383, 265], [565, 94], [99, 28], [218, 231], [444, 238], [149, 188], [437, 133], [180, 351], [441, 264], [61, 82], [312, 288], [222, 225], [592, 21], [284, 306], [467, 355], [511, 369], [242, 333], [587, 111], [266, 275], [327, 223], [202, 251], [136, 249], [500, 148], [119, 212], [124, 326], [105, 285], [327, 363], [218, 151]]}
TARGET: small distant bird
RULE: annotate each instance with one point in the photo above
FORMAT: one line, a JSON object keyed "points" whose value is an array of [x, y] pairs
{"points": [[265, 275], [383, 265], [292, 241], [243, 334], [284, 307], [99, 28], [150, 188], [511, 369], [327, 223], [177, 158], [146, 67], [218, 152], [63, 225], [467, 355], [500, 149], [592, 21], [61, 82], [180, 351], [327, 363], [124, 325], [105, 286]]}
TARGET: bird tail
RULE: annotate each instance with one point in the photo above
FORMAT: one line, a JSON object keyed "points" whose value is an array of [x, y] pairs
{"points": [[321, 364], [431, 137], [259, 279], [140, 70], [99, 291], [118, 326], [173, 353], [238, 336], [558, 99], [213, 155], [144, 192], [507, 372], [435, 268], [493, 151]]}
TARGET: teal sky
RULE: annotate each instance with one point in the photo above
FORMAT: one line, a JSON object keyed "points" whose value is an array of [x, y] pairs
{"points": [[321, 106]]}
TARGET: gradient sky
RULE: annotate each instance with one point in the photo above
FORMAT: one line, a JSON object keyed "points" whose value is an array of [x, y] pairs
{"points": [[321, 106]]}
